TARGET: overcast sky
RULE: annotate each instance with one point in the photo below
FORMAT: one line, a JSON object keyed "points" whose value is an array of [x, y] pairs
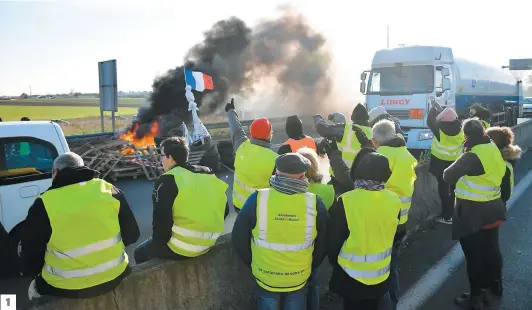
{"points": [[55, 46]]}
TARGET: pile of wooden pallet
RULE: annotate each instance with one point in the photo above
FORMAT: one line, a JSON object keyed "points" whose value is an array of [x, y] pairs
{"points": [[113, 163]]}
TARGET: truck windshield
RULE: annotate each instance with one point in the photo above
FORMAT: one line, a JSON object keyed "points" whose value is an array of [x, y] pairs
{"points": [[401, 80]]}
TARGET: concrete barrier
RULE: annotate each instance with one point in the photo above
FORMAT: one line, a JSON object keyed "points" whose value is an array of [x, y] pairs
{"points": [[218, 280]]}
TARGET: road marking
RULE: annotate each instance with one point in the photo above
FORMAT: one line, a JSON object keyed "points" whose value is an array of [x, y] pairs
{"points": [[433, 279]]}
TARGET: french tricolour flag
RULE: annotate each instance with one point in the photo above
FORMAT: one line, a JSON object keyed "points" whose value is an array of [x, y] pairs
{"points": [[198, 81]]}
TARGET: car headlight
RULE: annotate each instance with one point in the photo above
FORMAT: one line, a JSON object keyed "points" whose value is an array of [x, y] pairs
{"points": [[427, 135]]}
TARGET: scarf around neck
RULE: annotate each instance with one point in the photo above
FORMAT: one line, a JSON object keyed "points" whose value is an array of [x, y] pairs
{"points": [[369, 185], [288, 185]]}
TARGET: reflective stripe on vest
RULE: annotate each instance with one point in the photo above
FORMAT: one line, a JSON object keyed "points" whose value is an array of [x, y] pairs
{"points": [[254, 165], [283, 240], [85, 248], [401, 181], [350, 146], [304, 142], [195, 230], [79, 273], [263, 224], [484, 187], [366, 254], [447, 148], [88, 249]]}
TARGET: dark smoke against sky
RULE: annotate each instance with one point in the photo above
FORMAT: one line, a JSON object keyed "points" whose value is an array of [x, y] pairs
{"points": [[283, 53]]}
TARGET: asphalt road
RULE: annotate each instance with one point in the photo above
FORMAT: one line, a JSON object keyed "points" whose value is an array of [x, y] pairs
{"points": [[430, 278]]}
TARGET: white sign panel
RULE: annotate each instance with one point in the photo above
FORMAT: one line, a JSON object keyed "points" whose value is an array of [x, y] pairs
{"points": [[108, 86]]}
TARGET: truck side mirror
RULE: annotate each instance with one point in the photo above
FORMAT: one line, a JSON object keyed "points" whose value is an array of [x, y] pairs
{"points": [[363, 76], [445, 72], [446, 84], [363, 87]]}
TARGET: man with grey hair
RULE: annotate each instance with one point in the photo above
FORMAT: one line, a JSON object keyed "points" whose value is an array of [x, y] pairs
{"points": [[91, 223], [402, 164]]}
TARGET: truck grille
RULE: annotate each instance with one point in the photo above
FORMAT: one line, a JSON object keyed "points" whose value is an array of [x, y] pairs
{"points": [[403, 114]]}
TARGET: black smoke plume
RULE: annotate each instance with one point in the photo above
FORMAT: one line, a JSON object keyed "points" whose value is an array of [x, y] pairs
{"points": [[285, 51]]}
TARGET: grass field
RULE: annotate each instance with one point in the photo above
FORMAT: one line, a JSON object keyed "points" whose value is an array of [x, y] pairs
{"points": [[14, 113], [122, 102]]}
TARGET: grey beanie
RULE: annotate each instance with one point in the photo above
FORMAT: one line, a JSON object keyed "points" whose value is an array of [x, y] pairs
{"points": [[292, 163]]}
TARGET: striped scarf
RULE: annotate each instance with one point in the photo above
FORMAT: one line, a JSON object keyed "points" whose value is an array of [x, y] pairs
{"points": [[369, 185], [288, 185]]}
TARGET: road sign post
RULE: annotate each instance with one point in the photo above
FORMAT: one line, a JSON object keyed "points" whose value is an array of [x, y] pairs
{"points": [[108, 90]]}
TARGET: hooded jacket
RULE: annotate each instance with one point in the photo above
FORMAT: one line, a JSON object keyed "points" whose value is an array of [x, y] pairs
{"points": [[294, 130], [38, 231], [359, 116], [375, 168], [470, 216], [8, 263], [449, 128]]}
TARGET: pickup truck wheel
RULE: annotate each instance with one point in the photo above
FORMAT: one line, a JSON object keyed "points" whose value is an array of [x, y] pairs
{"points": [[15, 236]]}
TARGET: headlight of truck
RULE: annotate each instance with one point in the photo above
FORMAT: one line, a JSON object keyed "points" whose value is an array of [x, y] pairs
{"points": [[426, 135]]}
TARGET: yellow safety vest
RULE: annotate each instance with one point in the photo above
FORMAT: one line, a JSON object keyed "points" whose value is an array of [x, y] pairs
{"points": [[350, 146], [511, 176], [372, 218], [448, 148], [486, 124], [85, 248], [283, 240], [402, 164], [198, 212], [324, 191], [484, 187], [254, 165]]}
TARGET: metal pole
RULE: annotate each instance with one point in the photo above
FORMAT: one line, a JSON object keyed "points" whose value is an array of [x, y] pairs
{"points": [[113, 119], [101, 118], [387, 36]]}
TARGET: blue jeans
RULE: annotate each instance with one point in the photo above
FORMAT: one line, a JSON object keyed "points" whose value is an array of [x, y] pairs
{"points": [[295, 300], [313, 296], [393, 280]]}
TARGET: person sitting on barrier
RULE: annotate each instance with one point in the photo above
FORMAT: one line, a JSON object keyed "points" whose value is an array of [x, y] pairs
{"points": [[379, 113], [189, 207], [479, 211], [481, 113], [254, 160], [8, 257], [74, 236], [503, 137], [326, 193], [361, 232], [347, 141], [280, 234], [446, 147], [296, 138]]}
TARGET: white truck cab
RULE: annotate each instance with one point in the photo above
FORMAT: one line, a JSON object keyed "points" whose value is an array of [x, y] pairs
{"points": [[27, 152], [404, 80]]}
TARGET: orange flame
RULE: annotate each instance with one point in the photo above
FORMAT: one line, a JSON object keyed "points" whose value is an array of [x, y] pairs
{"points": [[143, 142]]}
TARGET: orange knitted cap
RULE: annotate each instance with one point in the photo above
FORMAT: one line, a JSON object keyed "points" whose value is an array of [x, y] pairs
{"points": [[260, 128]]}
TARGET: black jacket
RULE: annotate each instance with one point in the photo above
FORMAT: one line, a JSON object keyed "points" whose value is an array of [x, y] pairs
{"points": [[340, 282], [8, 263], [449, 128], [471, 216], [247, 219], [164, 194], [37, 232]]}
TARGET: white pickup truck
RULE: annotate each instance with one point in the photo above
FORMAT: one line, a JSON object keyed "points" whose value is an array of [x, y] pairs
{"points": [[27, 152]]}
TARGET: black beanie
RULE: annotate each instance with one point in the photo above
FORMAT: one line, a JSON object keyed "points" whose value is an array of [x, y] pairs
{"points": [[294, 127], [370, 165], [360, 114]]}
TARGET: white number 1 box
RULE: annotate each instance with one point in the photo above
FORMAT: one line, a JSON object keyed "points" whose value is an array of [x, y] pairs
{"points": [[8, 302]]}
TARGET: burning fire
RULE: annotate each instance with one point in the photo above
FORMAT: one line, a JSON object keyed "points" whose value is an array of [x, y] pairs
{"points": [[146, 140]]}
